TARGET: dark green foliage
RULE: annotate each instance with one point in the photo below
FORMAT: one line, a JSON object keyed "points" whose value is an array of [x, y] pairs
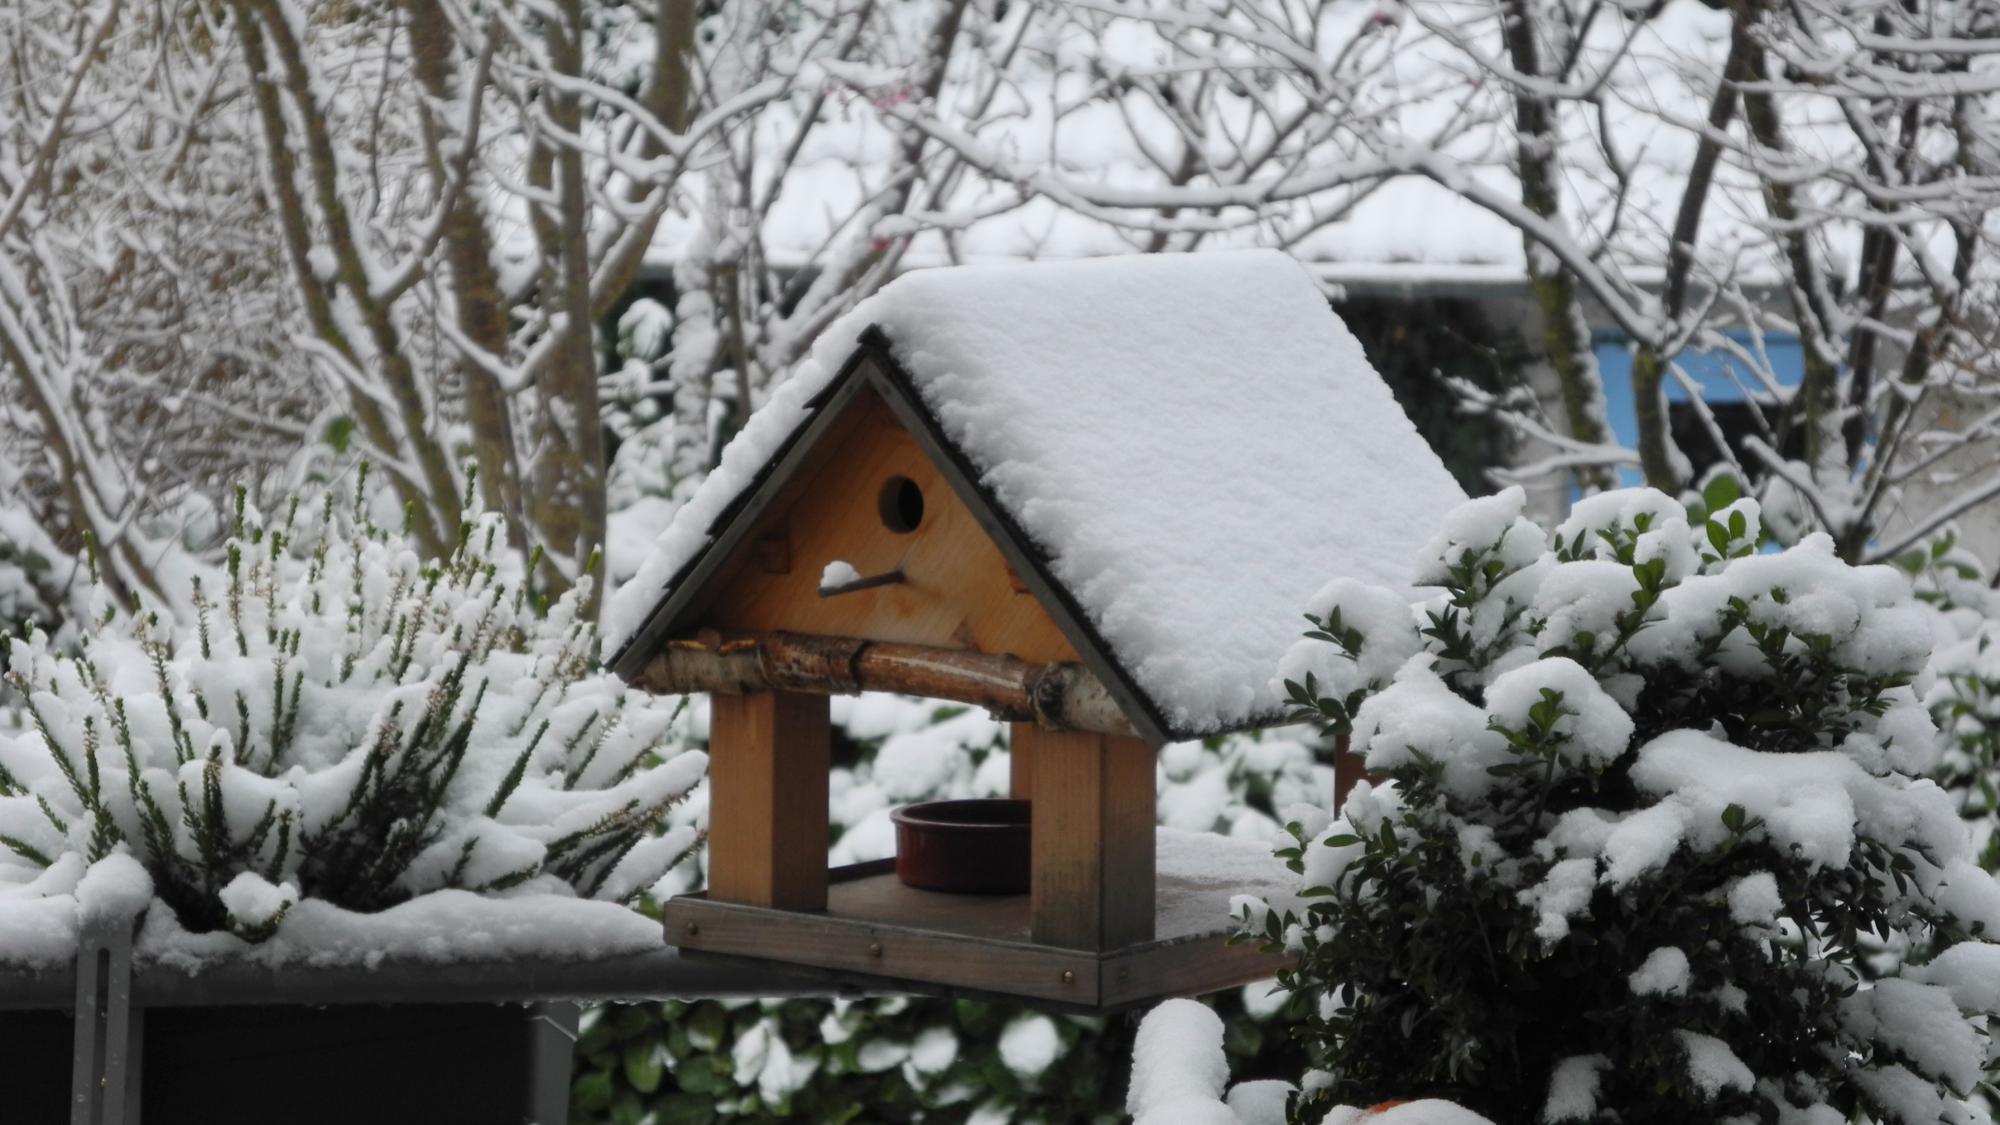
{"points": [[1449, 982], [676, 1061]]}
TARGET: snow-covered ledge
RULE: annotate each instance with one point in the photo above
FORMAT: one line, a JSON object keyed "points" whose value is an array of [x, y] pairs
{"points": [[660, 974], [108, 986]]}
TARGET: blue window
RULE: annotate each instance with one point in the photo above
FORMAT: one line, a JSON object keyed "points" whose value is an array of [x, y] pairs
{"points": [[1723, 379]]}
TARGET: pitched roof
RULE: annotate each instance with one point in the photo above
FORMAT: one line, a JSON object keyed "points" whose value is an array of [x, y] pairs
{"points": [[1184, 447]]}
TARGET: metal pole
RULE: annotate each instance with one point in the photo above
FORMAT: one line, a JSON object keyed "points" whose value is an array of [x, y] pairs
{"points": [[554, 1028], [105, 1060]]}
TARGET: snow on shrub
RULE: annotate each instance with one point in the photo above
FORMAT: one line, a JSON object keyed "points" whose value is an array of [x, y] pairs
{"points": [[1645, 805], [1965, 698], [341, 726], [1179, 1071]]}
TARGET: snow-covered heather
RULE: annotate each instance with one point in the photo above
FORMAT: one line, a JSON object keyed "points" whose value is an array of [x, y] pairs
{"points": [[1173, 547], [347, 754], [1677, 783]]}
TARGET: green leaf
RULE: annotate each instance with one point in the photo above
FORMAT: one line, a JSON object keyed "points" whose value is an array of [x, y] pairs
{"points": [[1721, 491], [1733, 818], [592, 1090], [1243, 1038], [685, 1109], [698, 1076], [706, 1025], [338, 432], [644, 1064]]}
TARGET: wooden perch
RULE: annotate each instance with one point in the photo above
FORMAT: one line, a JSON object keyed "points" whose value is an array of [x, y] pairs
{"points": [[1058, 696], [889, 579]]}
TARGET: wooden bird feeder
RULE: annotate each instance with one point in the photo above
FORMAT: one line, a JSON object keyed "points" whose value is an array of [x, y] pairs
{"points": [[955, 587]]}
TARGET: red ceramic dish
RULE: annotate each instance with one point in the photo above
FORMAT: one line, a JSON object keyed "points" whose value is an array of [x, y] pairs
{"points": [[975, 847]]}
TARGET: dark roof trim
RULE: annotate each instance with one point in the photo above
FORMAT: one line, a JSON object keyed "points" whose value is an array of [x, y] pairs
{"points": [[874, 364]]}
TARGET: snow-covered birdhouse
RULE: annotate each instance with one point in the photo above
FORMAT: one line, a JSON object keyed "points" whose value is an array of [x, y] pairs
{"points": [[1092, 497]]}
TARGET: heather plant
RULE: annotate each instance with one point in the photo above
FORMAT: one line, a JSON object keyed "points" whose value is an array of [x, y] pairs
{"points": [[1646, 808], [344, 721]]}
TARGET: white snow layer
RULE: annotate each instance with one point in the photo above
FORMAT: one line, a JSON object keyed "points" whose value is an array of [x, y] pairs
{"points": [[1573, 1089], [1030, 1044], [441, 927], [838, 573], [40, 923], [1178, 1067], [1430, 1111], [1167, 429], [1712, 1066], [42, 918], [1664, 972]]}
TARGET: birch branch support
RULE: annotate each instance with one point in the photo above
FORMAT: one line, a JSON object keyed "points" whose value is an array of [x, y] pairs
{"points": [[1056, 696]]}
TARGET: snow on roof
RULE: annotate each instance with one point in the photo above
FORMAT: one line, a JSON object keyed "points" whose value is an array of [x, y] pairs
{"points": [[1192, 443]]}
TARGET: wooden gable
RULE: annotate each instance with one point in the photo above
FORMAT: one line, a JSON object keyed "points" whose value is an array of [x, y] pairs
{"points": [[869, 495]]}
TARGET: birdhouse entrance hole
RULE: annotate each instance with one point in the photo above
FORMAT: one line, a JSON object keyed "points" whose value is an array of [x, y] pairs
{"points": [[902, 505]]}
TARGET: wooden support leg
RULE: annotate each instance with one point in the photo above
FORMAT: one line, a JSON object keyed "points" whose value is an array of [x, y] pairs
{"points": [[1021, 762], [1093, 839], [1348, 768], [768, 759]]}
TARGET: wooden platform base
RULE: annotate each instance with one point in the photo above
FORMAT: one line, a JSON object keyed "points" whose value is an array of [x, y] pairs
{"points": [[877, 933]]}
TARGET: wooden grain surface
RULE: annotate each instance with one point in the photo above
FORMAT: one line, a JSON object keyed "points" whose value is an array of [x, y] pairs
{"points": [[769, 755], [957, 591], [885, 949], [1093, 839], [1021, 761], [1183, 967], [877, 931]]}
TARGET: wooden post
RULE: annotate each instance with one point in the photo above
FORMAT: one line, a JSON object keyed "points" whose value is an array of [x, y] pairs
{"points": [[1021, 761], [1348, 768], [768, 757], [1092, 839]]}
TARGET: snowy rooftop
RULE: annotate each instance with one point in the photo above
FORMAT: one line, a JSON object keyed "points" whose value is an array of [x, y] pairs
{"points": [[1192, 444]]}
